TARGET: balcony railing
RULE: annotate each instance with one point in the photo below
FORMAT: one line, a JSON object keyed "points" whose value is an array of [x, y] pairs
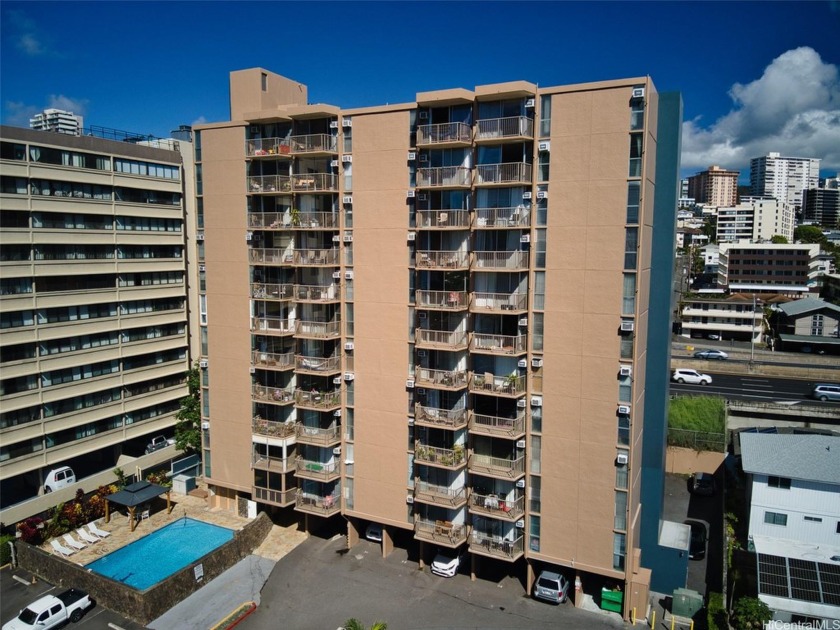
{"points": [[440, 418], [494, 425], [496, 547], [500, 301], [273, 464], [317, 504], [507, 173], [439, 495], [499, 385], [316, 293], [273, 360], [272, 325], [444, 177], [513, 217], [268, 220], [319, 330], [443, 133], [442, 259], [497, 507], [443, 339], [313, 143], [264, 147], [276, 395], [322, 471], [264, 291], [282, 430], [442, 532], [316, 257], [318, 436], [270, 256], [268, 184], [318, 365], [499, 344], [315, 182], [503, 261], [448, 379], [443, 219], [282, 498], [317, 399], [449, 458], [510, 127], [496, 466], [312, 220], [441, 300]]}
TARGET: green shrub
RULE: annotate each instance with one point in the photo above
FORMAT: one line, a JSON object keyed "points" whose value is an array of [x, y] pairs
{"points": [[750, 612], [716, 612], [5, 552]]}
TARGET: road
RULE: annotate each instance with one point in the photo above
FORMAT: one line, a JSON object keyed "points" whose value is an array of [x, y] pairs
{"points": [[743, 387]]}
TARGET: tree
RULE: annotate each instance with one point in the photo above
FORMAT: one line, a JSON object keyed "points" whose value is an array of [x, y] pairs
{"points": [[778, 239], [750, 612], [808, 234], [188, 427], [355, 624]]}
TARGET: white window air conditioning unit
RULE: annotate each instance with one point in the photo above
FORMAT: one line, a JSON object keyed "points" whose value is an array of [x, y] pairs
{"points": [[525, 238], [621, 459], [639, 92], [423, 115], [536, 363], [348, 275], [334, 163], [520, 444], [337, 413], [254, 129], [349, 346], [424, 157], [337, 380], [337, 450], [523, 363], [520, 483], [544, 146], [412, 236], [347, 122], [349, 376], [520, 524], [627, 326], [336, 238], [530, 102], [199, 236], [625, 370], [346, 158], [412, 155], [422, 314], [536, 401], [624, 410], [526, 195], [409, 384], [252, 370], [423, 197], [336, 274], [205, 425], [202, 363], [422, 354], [410, 421], [347, 199], [421, 391], [333, 124], [542, 194], [523, 323], [409, 499], [249, 236], [347, 238], [521, 403], [202, 268]]}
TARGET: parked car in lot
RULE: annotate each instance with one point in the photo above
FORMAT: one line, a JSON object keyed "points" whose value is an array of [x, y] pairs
{"points": [[446, 564], [691, 376], [697, 542], [158, 442], [59, 478], [826, 392], [703, 484], [551, 587], [374, 532], [52, 611], [711, 355]]}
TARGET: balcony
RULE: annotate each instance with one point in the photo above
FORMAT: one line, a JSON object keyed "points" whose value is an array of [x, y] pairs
{"points": [[439, 495], [493, 506], [511, 428], [498, 467], [443, 219], [273, 360], [270, 256], [510, 129], [502, 218], [317, 365], [499, 344], [496, 547], [452, 133], [259, 184], [273, 395], [440, 418], [316, 293], [452, 459], [515, 260], [318, 330], [273, 464], [319, 471], [316, 257], [313, 143], [321, 401], [444, 177], [444, 533], [442, 259], [441, 339], [281, 498], [268, 428], [499, 302], [273, 292], [317, 504], [276, 326], [313, 220], [440, 379], [315, 182], [507, 173], [267, 147], [317, 436], [487, 383], [441, 300]]}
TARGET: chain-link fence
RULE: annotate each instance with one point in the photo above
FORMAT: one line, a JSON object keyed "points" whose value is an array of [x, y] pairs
{"points": [[697, 440]]}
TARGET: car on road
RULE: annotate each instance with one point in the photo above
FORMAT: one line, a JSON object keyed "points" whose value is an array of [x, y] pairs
{"points": [[59, 478], [692, 377], [446, 564], [697, 542], [52, 611], [703, 484], [551, 587], [711, 355], [826, 392]]}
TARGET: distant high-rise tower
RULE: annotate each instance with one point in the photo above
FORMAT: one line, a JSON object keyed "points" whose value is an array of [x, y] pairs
{"points": [[783, 177], [59, 121], [715, 186]]}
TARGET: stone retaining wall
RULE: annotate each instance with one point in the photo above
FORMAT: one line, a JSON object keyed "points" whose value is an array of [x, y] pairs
{"points": [[144, 606]]}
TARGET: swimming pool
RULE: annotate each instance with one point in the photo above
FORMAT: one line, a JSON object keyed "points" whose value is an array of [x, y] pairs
{"points": [[155, 557]]}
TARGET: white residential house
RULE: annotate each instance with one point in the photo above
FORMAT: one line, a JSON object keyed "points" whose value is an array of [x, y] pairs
{"points": [[793, 488]]}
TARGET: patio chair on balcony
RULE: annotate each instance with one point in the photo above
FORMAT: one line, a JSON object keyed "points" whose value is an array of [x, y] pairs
{"points": [[488, 381], [443, 219]]}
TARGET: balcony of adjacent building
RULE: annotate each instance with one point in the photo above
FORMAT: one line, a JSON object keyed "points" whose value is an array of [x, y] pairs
{"points": [[317, 464], [444, 177], [497, 458], [318, 396], [441, 300], [440, 487], [272, 394], [430, 415], [442, 526], [275, 430], [502, 218], [442, 220], [272, 458], [312, 144], [440, 448], [326, 256], [318, 498], [507, 129], [508, 547], [497, 417], [272, 184], [273, 488], [512, 385], [444, 135], [496, 499], [319, 430], [268, 148]]}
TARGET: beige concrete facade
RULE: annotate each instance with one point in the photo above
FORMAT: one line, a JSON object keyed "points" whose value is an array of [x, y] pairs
{"points": [[489, 340], [715, 186]]}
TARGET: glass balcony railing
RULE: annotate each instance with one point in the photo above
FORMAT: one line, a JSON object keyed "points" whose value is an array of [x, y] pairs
{"points": [[442, 219], [444, 177], [444, 133], [499, 344], [440, 418], [500, 261], [499, 302], [439, 495], [511, 428], [508, 173], [442, 300], [511, 127], [512, 217]]}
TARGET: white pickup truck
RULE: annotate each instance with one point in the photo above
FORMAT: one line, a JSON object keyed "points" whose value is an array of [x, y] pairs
{"points": [[52, 611]]}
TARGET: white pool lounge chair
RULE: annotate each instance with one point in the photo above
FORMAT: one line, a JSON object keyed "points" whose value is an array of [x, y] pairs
{"points": [[93, 529], [61, 549], [68, 538], [88, 538]]}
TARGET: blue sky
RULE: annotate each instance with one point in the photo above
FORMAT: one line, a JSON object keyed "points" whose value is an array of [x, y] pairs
{"points": [[755, 76]]}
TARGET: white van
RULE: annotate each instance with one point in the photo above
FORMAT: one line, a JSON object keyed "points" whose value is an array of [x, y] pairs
{"points": [[59, 478]]}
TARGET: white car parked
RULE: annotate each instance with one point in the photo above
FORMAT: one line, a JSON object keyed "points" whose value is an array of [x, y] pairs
{"points": [[691, 376], [446, 565]]}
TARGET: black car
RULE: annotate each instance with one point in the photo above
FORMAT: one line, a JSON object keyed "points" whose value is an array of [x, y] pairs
{"points": [[697, 545]]}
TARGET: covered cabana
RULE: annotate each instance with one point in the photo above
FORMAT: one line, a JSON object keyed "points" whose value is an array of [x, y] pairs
{"points": [[136, 494]]}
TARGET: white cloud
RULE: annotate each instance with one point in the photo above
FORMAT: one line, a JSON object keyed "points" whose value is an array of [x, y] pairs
{"points": [[201, 120], [794, 109], [75, 105], [26, 37]]}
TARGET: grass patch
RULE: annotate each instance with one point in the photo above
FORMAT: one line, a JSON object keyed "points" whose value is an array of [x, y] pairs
{"points": [[697, 413]]}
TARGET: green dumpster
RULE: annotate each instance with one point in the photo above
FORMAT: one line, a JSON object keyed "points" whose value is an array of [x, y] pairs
{"points": [[612, 600]]}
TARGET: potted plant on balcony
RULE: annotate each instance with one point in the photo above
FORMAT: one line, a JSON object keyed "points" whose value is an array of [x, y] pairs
{"points": [[458, 453], [510, 382], [295, 216]]}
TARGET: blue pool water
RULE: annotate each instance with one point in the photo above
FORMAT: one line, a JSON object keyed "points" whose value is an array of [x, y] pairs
{"points": [[155, 557]]}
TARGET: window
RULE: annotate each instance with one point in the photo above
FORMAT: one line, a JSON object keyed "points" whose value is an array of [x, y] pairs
{"points": [[628, 306], [775, 518], [619, 550], [535, 532], [631, 246], [620, 518], [545, 116], [534, 488], [633, 197], [624, 430], [636, 145], [263, 81], [778, 482], [536, 445], [813, 519]]}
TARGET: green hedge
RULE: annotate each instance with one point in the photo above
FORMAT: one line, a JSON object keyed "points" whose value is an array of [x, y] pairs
{"points": [[5, 552], [716, 612]]}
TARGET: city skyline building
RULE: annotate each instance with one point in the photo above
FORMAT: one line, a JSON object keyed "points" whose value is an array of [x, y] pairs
{"points": [[59, 121], [716, 186], [755, 219], [784, 178]]}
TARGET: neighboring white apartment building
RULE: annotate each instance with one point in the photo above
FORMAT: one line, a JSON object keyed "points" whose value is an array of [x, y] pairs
{"points": [[793, 486], [755, 219], [786, 269], [59, 121], [711, 257], [784, 177]]}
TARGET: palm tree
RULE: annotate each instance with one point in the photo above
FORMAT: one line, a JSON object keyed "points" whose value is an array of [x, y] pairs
{"points": [[355, 624]]}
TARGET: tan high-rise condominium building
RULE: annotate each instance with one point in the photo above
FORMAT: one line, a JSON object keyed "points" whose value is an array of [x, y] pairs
{"points": [[715, 186], [434, 316]]}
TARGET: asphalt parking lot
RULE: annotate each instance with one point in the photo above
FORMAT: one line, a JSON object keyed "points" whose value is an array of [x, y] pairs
{"points": [[320, 585]]}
